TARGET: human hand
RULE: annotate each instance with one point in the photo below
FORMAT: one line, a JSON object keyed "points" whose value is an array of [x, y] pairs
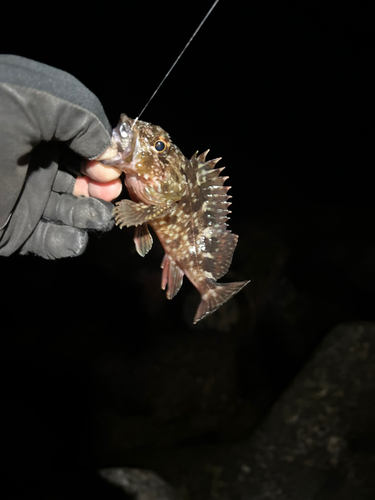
{"points": [[43, 208], [98, 180], [77, 204]]}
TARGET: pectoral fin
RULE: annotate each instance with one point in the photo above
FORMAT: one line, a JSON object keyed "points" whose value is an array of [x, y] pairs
{"points": [[128, 213], [142, 239]]}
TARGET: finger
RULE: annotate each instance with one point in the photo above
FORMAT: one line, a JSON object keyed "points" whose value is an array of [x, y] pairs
{"points": [[107, 191], [64, 182], [52, 241], [84, 186], [110, 152], [83, 213], [81, 186], [99, 172]]}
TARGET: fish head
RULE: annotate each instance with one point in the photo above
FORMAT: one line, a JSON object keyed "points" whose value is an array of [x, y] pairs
{"points": [[153, 164]]}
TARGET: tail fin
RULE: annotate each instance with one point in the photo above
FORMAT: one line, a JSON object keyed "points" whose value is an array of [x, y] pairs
{"points": [[215, 297]]}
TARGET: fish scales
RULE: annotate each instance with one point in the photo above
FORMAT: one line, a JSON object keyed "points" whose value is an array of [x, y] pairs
{"points": [[186, 204]]}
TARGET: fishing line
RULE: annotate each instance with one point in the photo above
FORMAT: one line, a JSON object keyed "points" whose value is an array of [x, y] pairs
{"points": [[178, 58]]}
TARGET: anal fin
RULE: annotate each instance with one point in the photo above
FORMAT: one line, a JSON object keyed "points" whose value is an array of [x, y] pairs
{"points": [[142, 239], [129, 213], [172, 276]]}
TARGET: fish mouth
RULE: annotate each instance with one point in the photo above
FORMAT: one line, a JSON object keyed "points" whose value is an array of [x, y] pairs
{"points": [[125, 136]]}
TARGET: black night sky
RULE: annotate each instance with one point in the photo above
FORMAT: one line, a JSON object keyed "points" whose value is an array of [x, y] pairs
{"points": [[284, 93]]}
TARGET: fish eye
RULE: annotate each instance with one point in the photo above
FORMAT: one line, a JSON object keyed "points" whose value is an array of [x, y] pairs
{"points": [[160, 145]]}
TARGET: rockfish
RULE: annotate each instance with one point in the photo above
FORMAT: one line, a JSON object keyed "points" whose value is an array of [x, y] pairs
{"points": [[186, 204]]}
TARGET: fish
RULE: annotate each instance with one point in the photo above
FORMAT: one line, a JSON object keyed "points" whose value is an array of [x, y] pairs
{"points": [[185, 203]]}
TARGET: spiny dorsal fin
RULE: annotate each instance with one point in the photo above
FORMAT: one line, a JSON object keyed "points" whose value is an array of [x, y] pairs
{"points": [[220, 243]]}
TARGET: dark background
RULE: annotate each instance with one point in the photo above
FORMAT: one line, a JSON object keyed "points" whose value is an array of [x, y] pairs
{"points": [[98, 368]]}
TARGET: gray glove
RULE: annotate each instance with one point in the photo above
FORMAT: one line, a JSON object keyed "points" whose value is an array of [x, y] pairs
{"points": [[43, 112], [62, 231]]}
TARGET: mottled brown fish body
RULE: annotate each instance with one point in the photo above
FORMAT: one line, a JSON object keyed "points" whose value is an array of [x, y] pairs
{"points": [[196, 240], [186, 204]]}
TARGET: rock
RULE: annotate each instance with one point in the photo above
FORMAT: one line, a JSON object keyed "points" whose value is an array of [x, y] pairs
{"points": [[141, 484], [318, 442]]}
